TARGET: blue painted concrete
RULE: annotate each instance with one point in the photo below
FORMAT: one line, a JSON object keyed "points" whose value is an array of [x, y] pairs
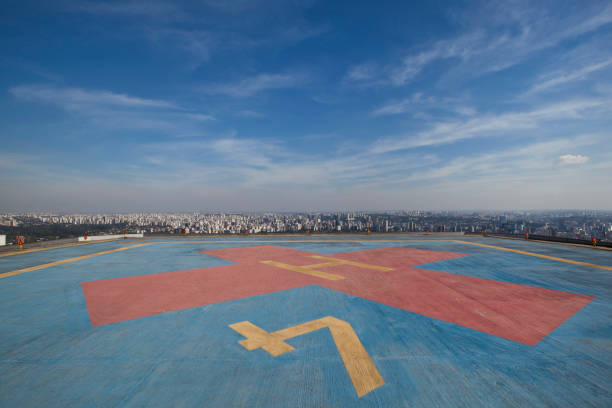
{"points": [[51, 356], [25, 260]]}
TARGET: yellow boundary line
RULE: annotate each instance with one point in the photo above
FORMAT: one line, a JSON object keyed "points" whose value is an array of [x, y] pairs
{"points": [[63, 261], [27, 251], [552, 258]]}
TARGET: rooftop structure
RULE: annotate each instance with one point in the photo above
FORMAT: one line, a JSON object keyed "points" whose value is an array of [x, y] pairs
{"points": [[306, 321]]}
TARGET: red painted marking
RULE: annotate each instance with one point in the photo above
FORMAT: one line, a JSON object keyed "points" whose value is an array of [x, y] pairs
{"points": [[521, 313]]}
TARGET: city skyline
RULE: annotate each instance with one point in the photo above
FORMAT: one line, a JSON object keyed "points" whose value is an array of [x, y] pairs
{"points": [[568, 224], [305, 106]]}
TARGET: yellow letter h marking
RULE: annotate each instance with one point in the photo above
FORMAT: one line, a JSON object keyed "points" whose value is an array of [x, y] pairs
{"points": [[312, 269]]}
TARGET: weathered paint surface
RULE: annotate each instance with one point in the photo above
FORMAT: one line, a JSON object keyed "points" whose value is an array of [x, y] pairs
{"points": [[386, 275], [52, 355], [359, 365], [63, 261]]}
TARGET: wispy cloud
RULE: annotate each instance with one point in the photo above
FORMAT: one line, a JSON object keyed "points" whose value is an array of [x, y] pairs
{"points": [[143, 8], [401, 73], [200, 117], [418, 104], [573, 159], [199, 30], [435, 116], [252, 163], [196, 43], [247, 162], [531, 162], [558, 79], [485, 49], [132, 8], [251, 166], [28, 66], [78, 98], [494, 125], [234, 6], [363, 72], [463, 47], [252, 85], [399, 107], [112, 109], [595, 20]]}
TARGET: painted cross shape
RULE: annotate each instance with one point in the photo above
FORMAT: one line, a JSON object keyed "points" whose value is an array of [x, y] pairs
{"points": [[361, 369], [313, 270], [389, 276]]}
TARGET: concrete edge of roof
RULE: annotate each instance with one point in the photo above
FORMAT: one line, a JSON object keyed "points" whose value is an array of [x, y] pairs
{"points": [[599, 247], [70, 242]]}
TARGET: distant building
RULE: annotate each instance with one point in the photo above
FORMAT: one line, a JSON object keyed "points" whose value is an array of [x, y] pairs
{"points": [[2, 240]]}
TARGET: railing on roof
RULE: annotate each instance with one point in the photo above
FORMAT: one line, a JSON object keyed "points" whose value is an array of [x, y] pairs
{"points": [[535, 237]]}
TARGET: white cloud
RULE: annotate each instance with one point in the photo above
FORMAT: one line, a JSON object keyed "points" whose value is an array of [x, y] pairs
{"points": [[372, 74], [199, 117], [593, 22], [115, 110], [399, 74], [131, 8], [362, 72], [418, 102], [399, 107], [532, 167], [504, 37], [272, 164], [197, 44], [78, 98], [393, 108], [156, 161], [489, 125], [258, 83], [462, 47], [573, 159], [256, 169], [198, 29], [563, 78]]}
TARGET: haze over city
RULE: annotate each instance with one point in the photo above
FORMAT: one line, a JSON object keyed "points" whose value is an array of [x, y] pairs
{"points": [[119, 106]]}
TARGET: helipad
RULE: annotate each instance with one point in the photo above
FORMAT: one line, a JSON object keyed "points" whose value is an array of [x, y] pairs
{"points": [[307, 321]]}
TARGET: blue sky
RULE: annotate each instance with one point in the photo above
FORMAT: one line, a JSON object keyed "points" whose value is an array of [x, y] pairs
{"points": [[305, 106]]}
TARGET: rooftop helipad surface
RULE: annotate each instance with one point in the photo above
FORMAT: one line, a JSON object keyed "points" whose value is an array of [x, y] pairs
{"points": [[380, 321]]}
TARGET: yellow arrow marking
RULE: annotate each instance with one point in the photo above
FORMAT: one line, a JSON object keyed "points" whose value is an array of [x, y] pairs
{"points": [[360, 368], [552, 258], [72, 244]]}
